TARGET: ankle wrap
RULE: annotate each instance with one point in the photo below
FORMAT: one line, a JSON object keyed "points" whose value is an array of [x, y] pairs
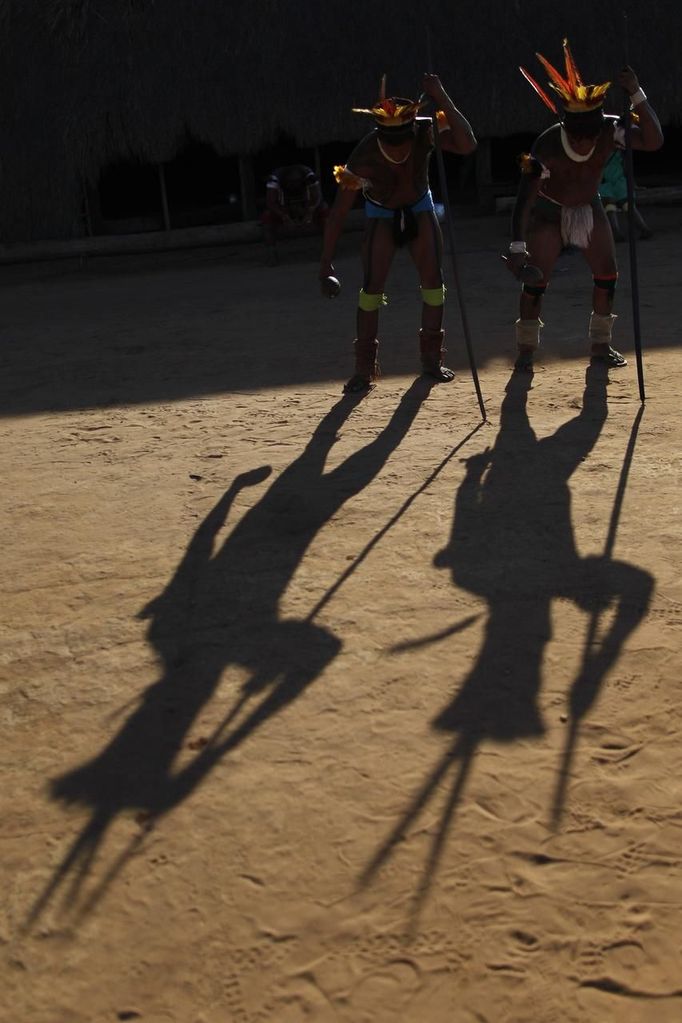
{"points": [[601, 328], [366, 361], [528, 333], [431, 342]]}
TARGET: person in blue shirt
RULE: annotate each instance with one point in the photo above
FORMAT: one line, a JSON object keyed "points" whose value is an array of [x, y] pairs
{"points": [[613, 191]]}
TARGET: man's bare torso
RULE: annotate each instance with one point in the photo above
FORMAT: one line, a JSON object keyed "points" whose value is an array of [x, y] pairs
{"points": [[394, 184], [571, 182]]}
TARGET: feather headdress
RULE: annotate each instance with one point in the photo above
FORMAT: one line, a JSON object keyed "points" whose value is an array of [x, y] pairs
{"points": [[392, 112], [576, 97]]}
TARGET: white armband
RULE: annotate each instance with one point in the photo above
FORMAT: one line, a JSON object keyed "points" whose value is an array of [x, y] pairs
{"points": [[517, 247], [637, 98]]}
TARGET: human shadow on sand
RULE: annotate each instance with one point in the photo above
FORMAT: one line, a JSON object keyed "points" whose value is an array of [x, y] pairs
{"points": [[221, 608], [512, 543]]}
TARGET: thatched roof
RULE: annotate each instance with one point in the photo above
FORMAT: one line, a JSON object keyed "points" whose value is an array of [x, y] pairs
{"points": [[88, 82]]}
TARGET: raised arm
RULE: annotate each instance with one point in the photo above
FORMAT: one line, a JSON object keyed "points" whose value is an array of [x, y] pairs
{"points": [[647, 134], [457, 135]]}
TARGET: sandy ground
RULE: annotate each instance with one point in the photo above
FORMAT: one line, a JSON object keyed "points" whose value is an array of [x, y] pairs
{"points": [[327, 710]]}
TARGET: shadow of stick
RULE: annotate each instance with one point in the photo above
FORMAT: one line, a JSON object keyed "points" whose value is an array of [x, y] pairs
{"points": [[78, 859], [326, 597], [587, 695], [462, 751]]}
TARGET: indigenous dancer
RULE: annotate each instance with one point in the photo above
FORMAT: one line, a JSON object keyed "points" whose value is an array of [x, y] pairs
{"points": [[390, 167], [558, 205], [293, 198]]}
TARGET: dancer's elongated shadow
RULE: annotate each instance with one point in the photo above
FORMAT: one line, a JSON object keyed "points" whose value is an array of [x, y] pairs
{"points": [[512, 543], [221, 608]]}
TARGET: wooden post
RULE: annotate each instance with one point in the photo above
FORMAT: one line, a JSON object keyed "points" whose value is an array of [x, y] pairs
{"points": [[247, 181], [484, 175], [164, 198], [87, 216], [94, 209]]}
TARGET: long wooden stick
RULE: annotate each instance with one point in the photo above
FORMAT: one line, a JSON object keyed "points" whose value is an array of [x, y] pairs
{"points": [[451, 239], [630, 177], [589, 697]]}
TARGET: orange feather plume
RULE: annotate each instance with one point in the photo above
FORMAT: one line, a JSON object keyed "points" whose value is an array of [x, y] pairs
{"points": [[540, 91], [575, 95], [559, 83], [572, 73]]}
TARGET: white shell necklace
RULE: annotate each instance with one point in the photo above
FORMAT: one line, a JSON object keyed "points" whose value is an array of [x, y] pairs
{"points": [[570, 151], [390, 158]]}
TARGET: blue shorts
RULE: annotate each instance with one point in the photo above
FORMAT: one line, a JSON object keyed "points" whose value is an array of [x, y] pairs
{"points": [[375, 211]]}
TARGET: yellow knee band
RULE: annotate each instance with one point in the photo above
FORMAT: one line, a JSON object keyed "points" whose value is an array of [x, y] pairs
{"points": [[370, 303], [433, 296]]}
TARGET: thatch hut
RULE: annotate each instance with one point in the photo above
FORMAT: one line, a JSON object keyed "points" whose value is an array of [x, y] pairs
{"points": [[90, 82]]}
